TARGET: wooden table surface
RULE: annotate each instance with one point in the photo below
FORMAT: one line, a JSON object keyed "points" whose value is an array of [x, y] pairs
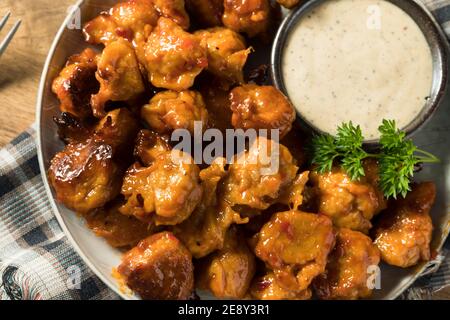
{"points": [[22, 63]]}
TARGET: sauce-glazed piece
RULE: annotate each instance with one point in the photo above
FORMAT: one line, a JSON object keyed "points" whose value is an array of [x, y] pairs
{"points": [[350, 204], [76, 83], [159, 268], [260, 175], [118, 230], [205, 230], [403, 233], [149, 146], [171, 110], [261, 107], [295, 245], [133, 20], [228, 272], [353, 259], [87, 174], [227, 53], [165, 193], [119, 76], [248, 16], [268, 287], [173, 56]]}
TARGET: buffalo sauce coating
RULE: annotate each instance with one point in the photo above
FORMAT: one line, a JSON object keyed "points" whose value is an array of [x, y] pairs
{"points": [[350, 204], [349, 267], [159, 268], [295, 245], [261, 107], [403, 233]]}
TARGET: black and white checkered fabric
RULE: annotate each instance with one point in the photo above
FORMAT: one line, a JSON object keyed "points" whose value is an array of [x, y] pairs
{"points": [[36, 260]]}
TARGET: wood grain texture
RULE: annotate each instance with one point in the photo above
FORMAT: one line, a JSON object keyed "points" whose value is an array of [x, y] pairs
{"points": [[22, 63]]}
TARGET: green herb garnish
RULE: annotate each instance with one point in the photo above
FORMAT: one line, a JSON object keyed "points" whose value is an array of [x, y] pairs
{"points": [[397, 157]]}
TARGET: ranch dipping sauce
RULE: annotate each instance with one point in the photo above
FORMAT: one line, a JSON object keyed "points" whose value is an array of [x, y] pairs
{"points": [[357, 60]]}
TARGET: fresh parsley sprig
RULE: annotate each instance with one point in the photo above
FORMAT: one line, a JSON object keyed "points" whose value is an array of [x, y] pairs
{"points": [[397, 157]]}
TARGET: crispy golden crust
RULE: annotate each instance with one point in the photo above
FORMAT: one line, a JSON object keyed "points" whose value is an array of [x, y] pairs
{"points": [[259, 176], [261, 107], [403, 232], [174, 57], [119, 76], [166, 192], [205, 230], [349, 267], [228, 272], [85, 176], [88, 174], [171, 110], [227, 53], [159, 268], [248, 16], [76, 83], [118, 230], [268, 287], [133, 20], [295, 245], [350, 204]]}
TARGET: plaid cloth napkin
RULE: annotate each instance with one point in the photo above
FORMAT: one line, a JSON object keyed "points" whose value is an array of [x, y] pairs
{"points": [[36, 260]]}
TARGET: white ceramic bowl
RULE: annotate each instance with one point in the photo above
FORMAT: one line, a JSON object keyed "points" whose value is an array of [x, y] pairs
{"points": [[102, 258]]}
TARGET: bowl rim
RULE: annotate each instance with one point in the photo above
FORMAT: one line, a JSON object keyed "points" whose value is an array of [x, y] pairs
{"points": [[442, 48], [39, 107], [39, 101]]}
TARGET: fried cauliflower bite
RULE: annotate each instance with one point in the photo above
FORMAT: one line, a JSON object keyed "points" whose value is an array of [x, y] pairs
{"points": [[227, 53], [149, 146], [119, 76], [118, 230], [171, 110], [228, 272], [403, 233], [348, 269], [295, 245], [174, 57], [261, 107], [268, 288], [159, 268], [88, 174], [248, 16], [174, 10], [76, 83], [260, 175], [118, 129], [85, 176], [165, 193], [289, 4], [205, 230], [350, 204], [208, 13], [71, 129], [133, 20]]}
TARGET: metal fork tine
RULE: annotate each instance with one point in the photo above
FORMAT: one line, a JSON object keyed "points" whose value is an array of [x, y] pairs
{"points": [[4, 19], [9, 36]]}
